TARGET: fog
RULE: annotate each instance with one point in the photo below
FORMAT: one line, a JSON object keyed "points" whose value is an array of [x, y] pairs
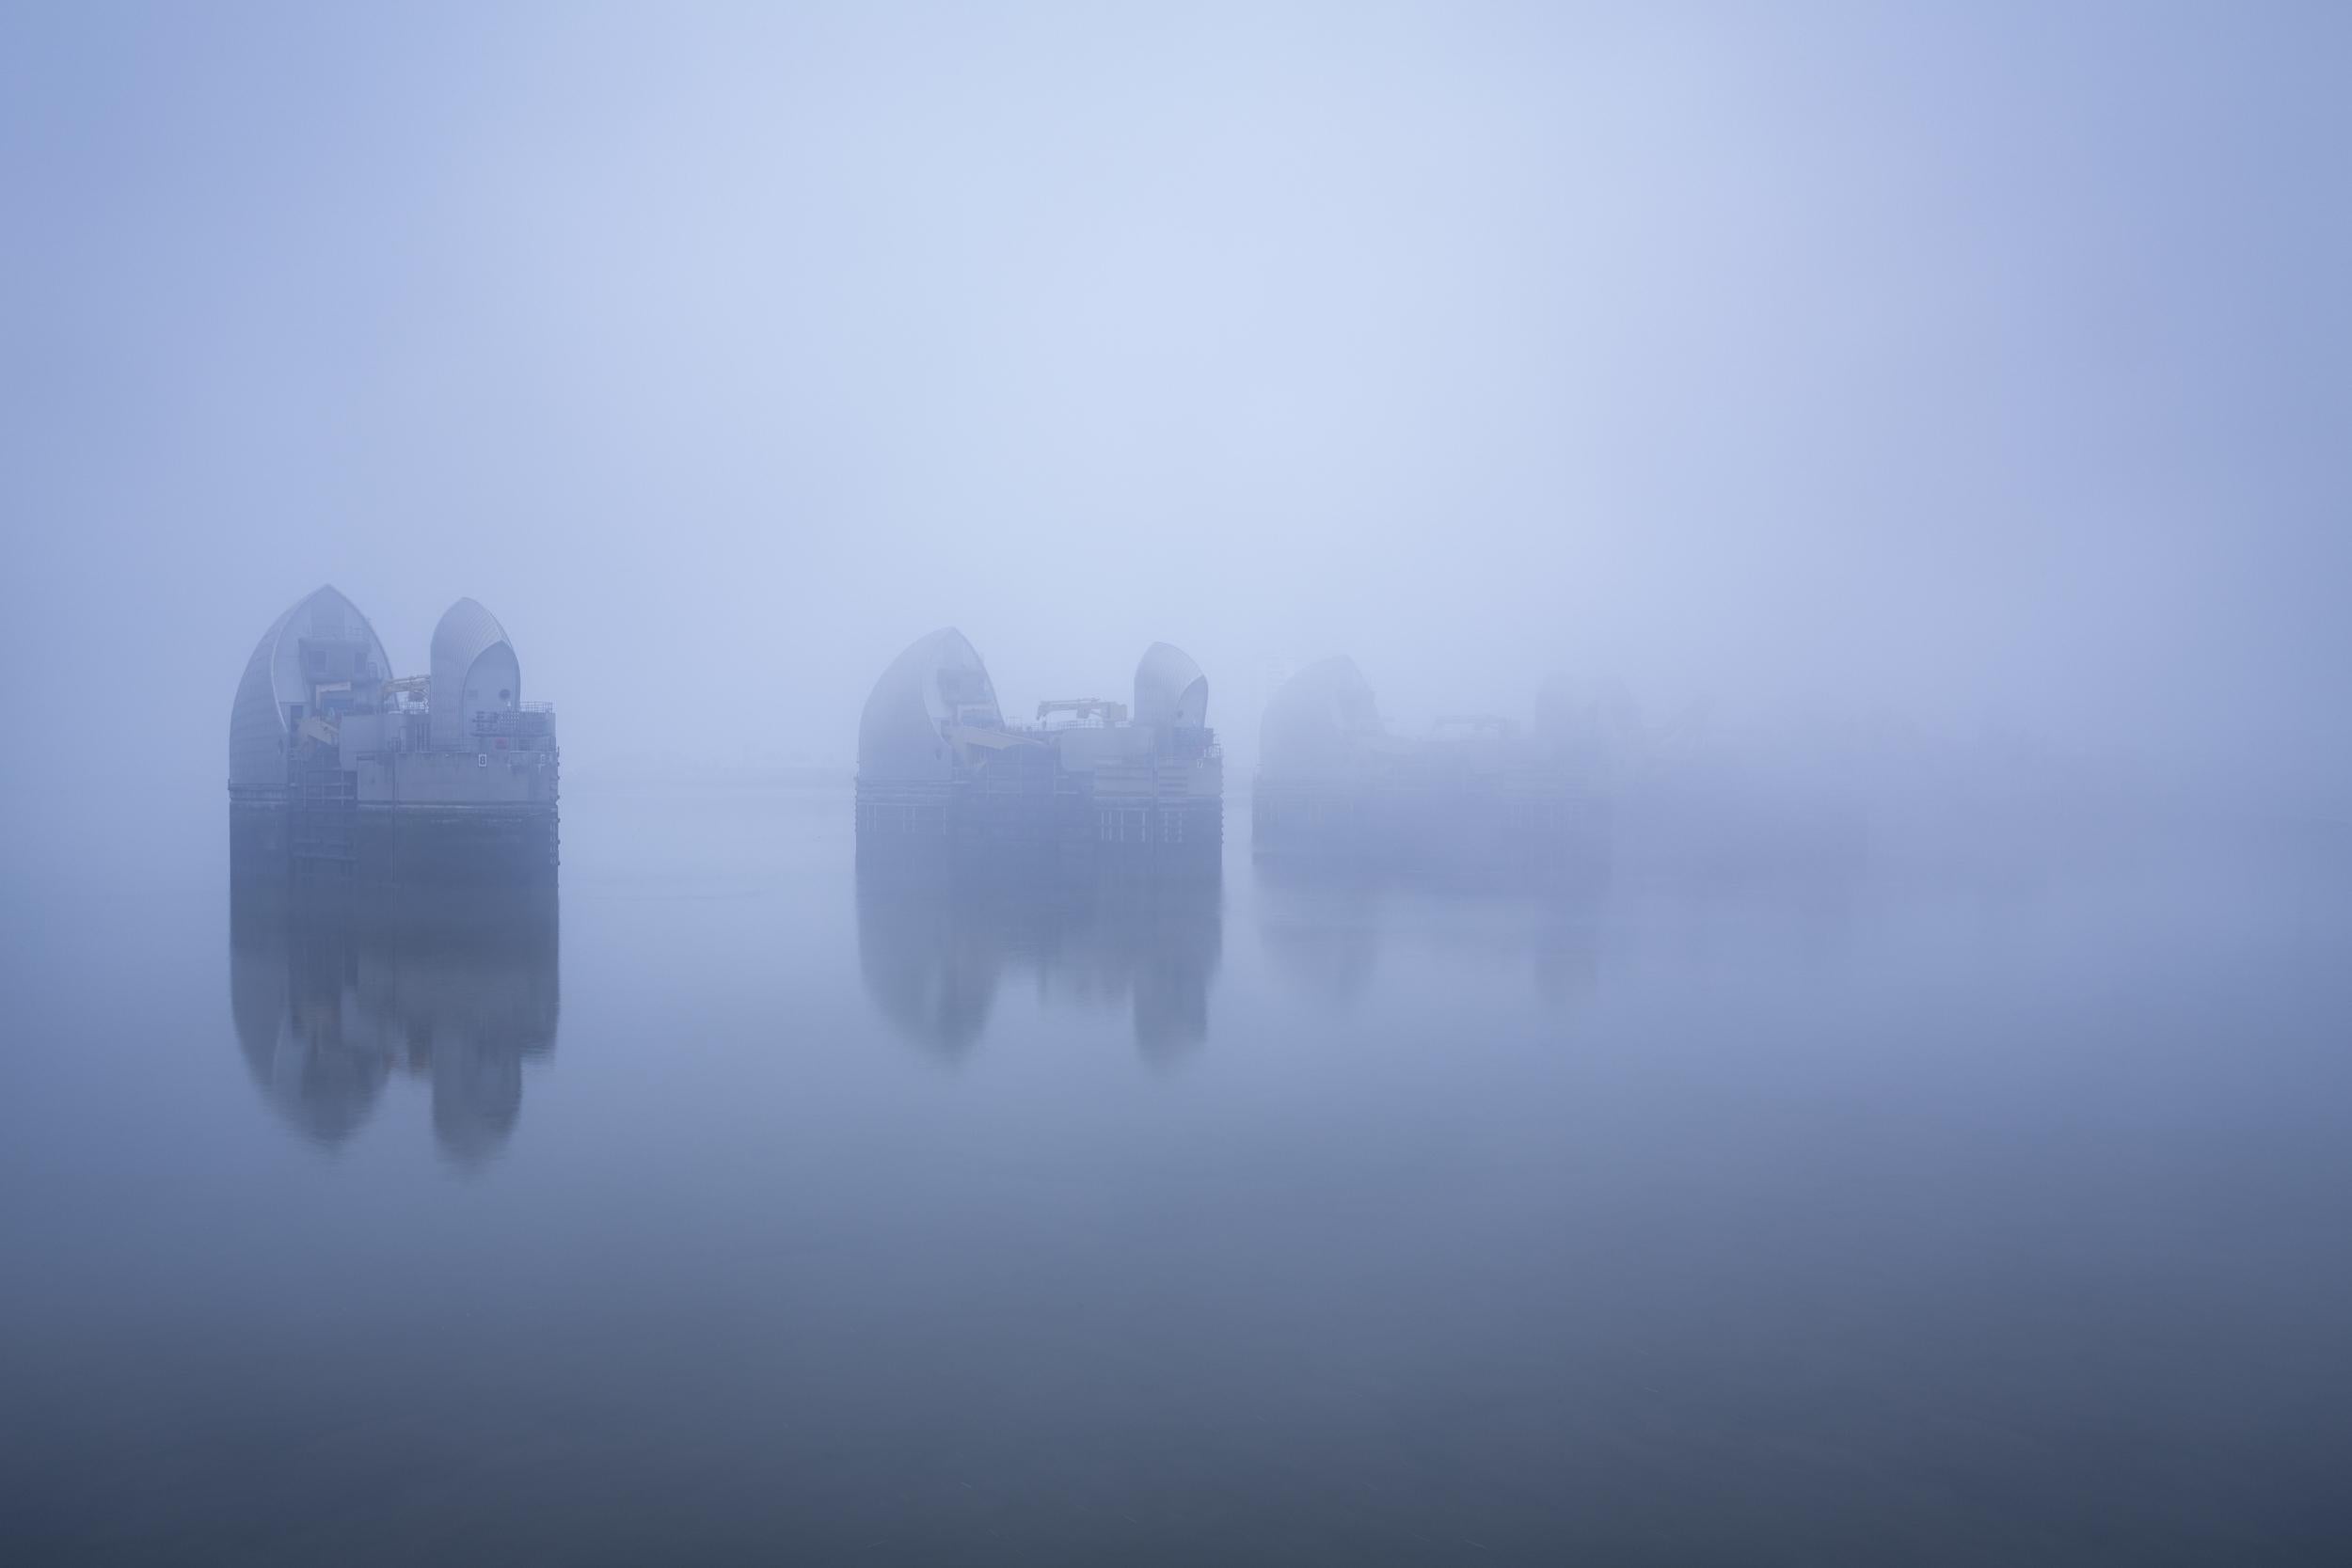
{"points": [[1974, 377], [1860, 1080]]}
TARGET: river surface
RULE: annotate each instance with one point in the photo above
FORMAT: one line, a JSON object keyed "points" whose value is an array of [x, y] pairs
{"points": [[729, 1209]]}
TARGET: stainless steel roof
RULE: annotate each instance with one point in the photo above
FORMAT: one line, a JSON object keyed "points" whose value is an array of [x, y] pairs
{"points": [[273, 682], [466, 632], [1320, 722], [1170, 690], [936, 684]]}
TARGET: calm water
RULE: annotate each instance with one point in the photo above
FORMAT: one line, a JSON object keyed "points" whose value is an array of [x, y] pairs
{"points": [[736, 1211]]}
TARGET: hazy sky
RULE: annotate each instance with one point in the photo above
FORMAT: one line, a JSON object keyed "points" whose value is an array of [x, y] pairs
{"points": [[1963, 362]]}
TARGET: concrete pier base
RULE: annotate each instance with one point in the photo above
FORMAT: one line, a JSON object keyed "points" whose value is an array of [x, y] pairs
{"points": [[395, 846]]}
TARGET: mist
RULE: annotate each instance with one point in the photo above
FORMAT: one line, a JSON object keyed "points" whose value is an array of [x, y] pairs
{"points": [[1968, 374], [1788, 1007]]}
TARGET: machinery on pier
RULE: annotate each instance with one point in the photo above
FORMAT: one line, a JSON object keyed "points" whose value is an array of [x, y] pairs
{"points": [[940, 767], [1476, 795], [336, 766]]}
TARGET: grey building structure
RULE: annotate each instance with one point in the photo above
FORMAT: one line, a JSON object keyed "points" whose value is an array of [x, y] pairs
{"points": [[336, 765], [1478, 794], [940, 767]]}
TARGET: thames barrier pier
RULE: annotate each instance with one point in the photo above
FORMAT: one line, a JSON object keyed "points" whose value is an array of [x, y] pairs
{"points": [[941, 771], [1477, 794], [340, 769]]}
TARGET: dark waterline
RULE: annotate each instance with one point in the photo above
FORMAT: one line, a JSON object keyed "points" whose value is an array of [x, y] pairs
{"points": [[742, 1208]]}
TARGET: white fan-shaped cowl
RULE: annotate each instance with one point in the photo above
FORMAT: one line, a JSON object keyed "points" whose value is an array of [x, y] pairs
{"points": [[473, 671], [1320, 722], [1172, 693], [273, 685], [937, 684]]}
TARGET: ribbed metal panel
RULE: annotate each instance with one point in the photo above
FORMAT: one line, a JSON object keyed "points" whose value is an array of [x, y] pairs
{"points": [[1319, 721], [273, 683], [901, 735], [1170, 690], [466, 633]]}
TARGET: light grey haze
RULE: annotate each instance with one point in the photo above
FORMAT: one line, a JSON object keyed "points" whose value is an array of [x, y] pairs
{"points": [[1899, 1113], [1978, 368]]}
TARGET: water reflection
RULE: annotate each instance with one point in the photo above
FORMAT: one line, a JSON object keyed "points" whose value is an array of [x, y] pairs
{"points": [[935, 941], [335, 989], [1328, 928]]}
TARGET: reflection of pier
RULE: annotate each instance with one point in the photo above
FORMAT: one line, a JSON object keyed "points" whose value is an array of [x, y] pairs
{"points": [[1329, 927], [336, 990], [936, 941]]}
